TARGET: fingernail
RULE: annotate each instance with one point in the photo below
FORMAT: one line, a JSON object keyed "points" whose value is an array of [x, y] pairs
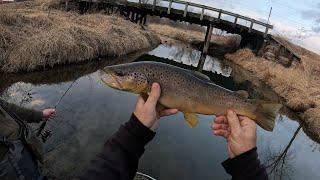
{"points": [[155, 85]]}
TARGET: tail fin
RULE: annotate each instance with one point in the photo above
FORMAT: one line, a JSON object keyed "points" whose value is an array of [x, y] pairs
{"points": [[266, 114]]}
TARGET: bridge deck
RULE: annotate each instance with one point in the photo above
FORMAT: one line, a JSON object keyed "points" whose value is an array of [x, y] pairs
{"points": [[205, 17]]}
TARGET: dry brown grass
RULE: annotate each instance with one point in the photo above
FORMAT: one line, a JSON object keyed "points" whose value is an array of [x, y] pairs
{"points": [[312, 123], [298, 86], [290, 83], [32, 37], [190, 36]]}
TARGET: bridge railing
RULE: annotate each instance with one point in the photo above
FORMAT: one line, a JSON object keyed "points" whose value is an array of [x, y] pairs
{"points": [[205, 8]]}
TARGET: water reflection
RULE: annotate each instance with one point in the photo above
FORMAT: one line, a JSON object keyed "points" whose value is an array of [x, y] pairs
{"points": [[279, 164], [91, 112], [182, 54], [186, 55]]}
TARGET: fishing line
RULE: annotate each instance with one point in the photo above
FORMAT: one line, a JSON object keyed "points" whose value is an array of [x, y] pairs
{"points": [[43, 124]]}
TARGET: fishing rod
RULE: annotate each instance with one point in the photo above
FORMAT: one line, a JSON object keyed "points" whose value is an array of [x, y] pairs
{"points": [[45, 135]]}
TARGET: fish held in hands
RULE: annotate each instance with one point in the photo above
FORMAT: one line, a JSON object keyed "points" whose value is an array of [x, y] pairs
{"points": [[190, 92]]}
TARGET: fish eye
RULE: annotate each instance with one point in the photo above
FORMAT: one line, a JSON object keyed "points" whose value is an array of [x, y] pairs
{"points": [[120, 73]]}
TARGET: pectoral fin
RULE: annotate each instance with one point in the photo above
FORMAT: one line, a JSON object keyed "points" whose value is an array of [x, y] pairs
{"points": [[191, 119]]}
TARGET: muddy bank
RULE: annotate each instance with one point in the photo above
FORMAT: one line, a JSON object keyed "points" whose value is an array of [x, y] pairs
{"points": [[33, 35], [297, 86], [219, 44]]}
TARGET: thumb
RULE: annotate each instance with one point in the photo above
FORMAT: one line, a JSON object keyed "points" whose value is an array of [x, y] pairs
{"points": [[140, 101], [154, 95], [233, 120]]}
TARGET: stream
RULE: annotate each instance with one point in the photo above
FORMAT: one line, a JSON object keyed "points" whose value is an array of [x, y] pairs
{"points": [[91, 112]]}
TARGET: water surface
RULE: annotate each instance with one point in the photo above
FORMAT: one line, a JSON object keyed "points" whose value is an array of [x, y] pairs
{"points": [[90, 112]]}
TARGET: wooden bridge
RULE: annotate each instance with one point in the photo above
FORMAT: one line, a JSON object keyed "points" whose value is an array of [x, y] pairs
{"points": [[254, 33], [207, 16]]}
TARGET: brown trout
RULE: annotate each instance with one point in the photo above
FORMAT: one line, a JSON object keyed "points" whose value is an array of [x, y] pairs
{"points": [[189, 92]]}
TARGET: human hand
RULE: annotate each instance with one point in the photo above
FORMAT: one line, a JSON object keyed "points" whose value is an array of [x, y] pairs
{"points": [[48, 113], [146, 111], [240, 132]]}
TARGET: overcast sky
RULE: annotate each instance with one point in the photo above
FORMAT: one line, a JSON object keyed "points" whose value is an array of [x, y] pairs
{"points": [[297, 19]]}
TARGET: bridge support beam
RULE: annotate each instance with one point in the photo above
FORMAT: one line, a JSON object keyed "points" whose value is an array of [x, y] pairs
{"points": [[131, 15], [207, 39], [205, 47], [202, 60], [136, 19], [145, 19], [141, 19]]}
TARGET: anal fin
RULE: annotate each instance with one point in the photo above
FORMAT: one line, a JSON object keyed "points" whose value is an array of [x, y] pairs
{"points": [[191, 119]]}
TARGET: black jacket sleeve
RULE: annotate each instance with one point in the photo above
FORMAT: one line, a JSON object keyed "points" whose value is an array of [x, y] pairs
{"points": [[246, 166], [121, 153]]}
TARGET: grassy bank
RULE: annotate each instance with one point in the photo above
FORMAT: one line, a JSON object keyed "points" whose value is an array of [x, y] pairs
{"points": [[34, 35], [297, 86]]}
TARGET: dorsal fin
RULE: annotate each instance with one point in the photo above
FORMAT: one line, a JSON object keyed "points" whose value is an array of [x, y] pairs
{"points": [[243, 94], [201, 75]]}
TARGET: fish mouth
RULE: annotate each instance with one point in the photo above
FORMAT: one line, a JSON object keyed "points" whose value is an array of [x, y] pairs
{"points": [[110, 78]]}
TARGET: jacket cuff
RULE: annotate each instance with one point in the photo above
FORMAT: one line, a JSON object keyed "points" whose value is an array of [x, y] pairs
{"points": [[242, 163], [37, 116], [143, 133], [133, 136]]}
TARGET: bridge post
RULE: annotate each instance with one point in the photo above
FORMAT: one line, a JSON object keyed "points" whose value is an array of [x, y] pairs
{"points": [[235, 22], [154, 5], [169, 8], [66, 5], [202, 60], [219, 16], [202, 13], [185, 10], [145, 19], [266, 32], [136, 20], [207, 39], [141, 19], [251, 26], [205, 47], [131, 16]]}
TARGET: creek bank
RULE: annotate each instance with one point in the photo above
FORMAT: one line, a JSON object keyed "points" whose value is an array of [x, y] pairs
{"points": [[35, 36]]}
